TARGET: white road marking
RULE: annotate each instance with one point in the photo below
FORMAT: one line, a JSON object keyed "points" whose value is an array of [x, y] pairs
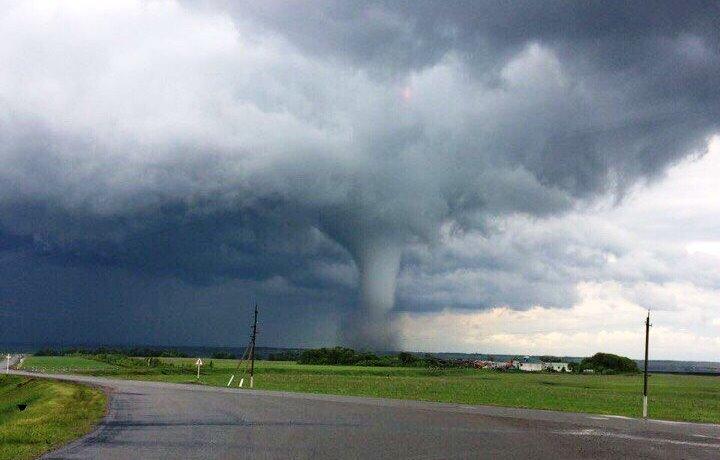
{"points": [[593, 432]]}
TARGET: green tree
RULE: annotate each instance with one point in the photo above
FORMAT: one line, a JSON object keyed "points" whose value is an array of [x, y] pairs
{"points": [[608, 363]]}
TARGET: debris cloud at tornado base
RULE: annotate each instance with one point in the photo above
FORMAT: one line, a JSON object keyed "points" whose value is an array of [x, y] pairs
{"points": [[230, 141]]}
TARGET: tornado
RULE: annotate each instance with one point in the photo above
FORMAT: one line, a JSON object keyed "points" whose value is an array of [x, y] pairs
{"points": [[370, 325], [271, 156]]}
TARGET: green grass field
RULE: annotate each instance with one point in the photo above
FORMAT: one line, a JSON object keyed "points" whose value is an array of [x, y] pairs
{"points": [[56, 413], [672, 397], [65, 365]]}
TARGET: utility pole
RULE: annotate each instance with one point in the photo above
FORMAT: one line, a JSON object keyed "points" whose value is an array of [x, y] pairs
{"points": [[647, 341], [252, 347]]}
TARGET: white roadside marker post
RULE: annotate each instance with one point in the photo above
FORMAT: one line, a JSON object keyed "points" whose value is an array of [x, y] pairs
{"points": [[7, 364], [198, 363]]}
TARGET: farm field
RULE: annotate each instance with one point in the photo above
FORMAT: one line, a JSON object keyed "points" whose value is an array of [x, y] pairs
{"points": [[672, 397], [65, 364], [56, 413]]}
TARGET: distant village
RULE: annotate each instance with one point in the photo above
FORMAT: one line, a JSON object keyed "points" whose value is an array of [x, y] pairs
{"points": [[527, 364]]}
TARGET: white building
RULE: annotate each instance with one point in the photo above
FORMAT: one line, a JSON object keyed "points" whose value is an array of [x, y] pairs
{"points": [[557, 367], [530, 367]]}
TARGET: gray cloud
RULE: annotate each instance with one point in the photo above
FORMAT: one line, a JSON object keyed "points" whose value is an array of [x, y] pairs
{"points": [[255, 140], [520, 262]]}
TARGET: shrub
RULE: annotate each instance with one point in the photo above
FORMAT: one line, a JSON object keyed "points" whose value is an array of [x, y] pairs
{"points": [[46, 351], [407, 359]]}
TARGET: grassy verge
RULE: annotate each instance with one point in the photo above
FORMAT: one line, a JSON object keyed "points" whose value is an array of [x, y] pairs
{"points": [[56, 413], [672, 397]]}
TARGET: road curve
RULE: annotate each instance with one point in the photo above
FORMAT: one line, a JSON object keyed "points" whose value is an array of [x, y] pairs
{"points": [[160, 420]]}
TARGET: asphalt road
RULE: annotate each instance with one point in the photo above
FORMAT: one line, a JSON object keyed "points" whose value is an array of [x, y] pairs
{"points": [[157, 420]]}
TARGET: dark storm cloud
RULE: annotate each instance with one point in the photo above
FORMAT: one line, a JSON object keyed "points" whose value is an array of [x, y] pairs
{"points": [[254, 140], [43, 302], [657, 62], [407, 35]]}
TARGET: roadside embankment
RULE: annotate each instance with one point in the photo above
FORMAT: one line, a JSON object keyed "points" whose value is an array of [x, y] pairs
{"points": [[38, 415]]}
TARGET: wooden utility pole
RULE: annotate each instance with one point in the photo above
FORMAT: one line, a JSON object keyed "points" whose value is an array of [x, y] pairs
{"points": [[252, 347], [645, 382]]}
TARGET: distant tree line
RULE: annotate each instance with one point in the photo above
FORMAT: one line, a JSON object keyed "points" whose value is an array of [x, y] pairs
{"points": [[600, 363], [551, 359], [289, 355], [223, 355], [132, 351], [350, 357]]}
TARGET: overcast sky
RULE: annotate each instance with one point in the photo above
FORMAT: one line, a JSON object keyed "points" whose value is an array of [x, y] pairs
{"points": [[505, 177], [658, 250]]}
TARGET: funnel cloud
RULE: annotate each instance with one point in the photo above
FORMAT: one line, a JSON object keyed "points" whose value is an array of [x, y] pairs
{"points": [[307, 147], [378, 264]]}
